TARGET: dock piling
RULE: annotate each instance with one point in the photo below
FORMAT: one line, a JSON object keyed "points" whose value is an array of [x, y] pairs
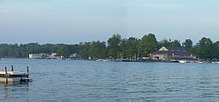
{"points": [[6, 74], [28, 71], [12, 68]]}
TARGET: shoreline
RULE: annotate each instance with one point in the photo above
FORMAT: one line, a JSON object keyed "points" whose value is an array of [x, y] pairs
{"points": [[124, 60]]}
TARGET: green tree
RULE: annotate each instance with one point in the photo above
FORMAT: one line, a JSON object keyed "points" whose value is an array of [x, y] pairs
{"points": [[169, 43], [188, 44], [216, 46], [175, 43], [205, 48], [14, 51], [97, 50], [114, 46], [165, 43], [124, 47], [129, 47], [84, 50], [147, 44], [4, 48], [33, 48], [64, 50]]}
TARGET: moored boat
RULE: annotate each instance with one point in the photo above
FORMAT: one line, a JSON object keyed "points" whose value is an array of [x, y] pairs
{"points": [[182, 61]]}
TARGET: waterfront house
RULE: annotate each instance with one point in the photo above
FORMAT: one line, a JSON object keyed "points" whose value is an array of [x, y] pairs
{"points": [[171, 54], [37, 56], [43, 56]]}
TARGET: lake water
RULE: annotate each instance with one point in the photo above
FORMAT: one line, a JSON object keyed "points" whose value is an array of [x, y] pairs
{"points": [[94, 81]]}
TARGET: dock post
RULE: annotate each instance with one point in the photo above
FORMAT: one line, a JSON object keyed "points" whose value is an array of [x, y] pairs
{"points": [[12, 68], [6, 75], [28, 71]]}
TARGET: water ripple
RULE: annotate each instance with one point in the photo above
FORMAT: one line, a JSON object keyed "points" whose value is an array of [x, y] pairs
{"points": [[82, 81]]}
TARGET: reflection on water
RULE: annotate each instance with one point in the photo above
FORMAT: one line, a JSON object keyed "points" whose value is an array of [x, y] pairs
{"points": [[58, 81], [13, 91]]}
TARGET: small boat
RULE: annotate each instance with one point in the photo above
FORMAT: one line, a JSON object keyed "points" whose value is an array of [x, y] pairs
{"points": [[182, 61], [102, 60], [11, 76], [200, 62], [215, 62], [99, 59]]}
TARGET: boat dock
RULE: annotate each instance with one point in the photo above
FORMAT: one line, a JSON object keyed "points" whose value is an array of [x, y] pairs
{"points": [[10, 76]]}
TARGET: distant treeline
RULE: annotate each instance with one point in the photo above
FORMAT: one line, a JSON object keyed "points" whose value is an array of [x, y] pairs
{"points": [[115, 47]]}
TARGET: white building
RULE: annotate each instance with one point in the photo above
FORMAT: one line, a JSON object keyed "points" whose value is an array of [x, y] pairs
{"points": [[35, 56]]}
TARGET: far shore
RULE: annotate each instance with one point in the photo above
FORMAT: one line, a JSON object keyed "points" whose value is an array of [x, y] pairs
{"points": [[124, 60]]}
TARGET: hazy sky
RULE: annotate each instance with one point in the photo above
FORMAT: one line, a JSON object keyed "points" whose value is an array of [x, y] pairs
{"points": [[74, 21]]}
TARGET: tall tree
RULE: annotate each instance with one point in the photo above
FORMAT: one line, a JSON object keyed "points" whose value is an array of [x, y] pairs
{"points": [[205, 48], [114, 46], [14, 51], [216, 46], [97, 49], [169, 43], [188, 44], [165, 43], [65, 51], [147, 44], [175, 43], [84, 50], [132, 49], [124, 48]]}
